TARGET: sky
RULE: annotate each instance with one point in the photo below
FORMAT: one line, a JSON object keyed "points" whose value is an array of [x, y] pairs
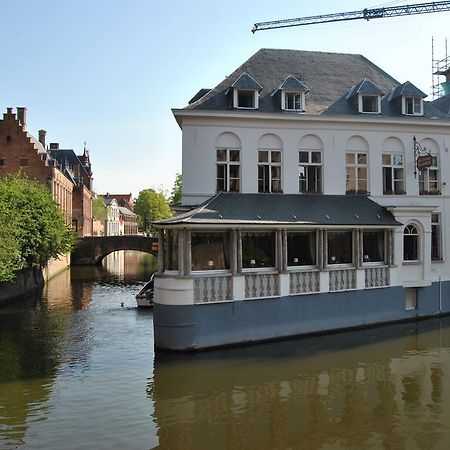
{"points": [[108, 72]]}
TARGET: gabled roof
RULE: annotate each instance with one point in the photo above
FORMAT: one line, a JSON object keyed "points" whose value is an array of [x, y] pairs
{"points": [[245, 81], [126, 211], [292, 84], [68, 157], [364, 87], [287, 209], [328, 76], [407, 89]]}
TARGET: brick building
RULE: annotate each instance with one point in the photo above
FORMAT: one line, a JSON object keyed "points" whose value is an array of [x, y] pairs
{"points": [[68, 176]]}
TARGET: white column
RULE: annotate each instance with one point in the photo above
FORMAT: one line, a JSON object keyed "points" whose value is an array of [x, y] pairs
{"points": [[160, 251]]}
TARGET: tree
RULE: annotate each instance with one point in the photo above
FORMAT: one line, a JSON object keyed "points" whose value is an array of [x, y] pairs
{"points": [[175, 196], [99, 210], [151, 206], [33, 227]]}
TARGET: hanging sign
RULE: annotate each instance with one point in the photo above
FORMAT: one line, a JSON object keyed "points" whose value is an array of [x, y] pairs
{"points": [[424, 161]]}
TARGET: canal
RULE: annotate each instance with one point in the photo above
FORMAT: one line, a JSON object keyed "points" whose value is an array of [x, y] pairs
{"points": [[78, 371]]}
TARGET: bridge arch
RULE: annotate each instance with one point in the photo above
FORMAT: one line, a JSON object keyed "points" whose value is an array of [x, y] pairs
{"points": [[92, 249]]}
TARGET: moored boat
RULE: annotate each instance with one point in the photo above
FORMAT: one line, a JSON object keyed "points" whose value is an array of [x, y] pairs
{"points": [[145, 296]]}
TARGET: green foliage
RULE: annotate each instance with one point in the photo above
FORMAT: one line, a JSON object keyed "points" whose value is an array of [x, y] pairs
{"points": [[33, 228], [151, 206], [175, 196], [99, 210]]}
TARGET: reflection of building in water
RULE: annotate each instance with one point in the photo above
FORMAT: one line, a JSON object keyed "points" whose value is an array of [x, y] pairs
{"points": [[131, 263], [278, 396]]}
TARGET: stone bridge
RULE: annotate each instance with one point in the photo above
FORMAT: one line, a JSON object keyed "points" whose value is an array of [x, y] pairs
{"points": [[91, 250]]}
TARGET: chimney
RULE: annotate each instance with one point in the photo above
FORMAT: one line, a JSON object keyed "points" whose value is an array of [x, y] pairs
{"points": [[22, 115], [54, 145], [42, 135]]}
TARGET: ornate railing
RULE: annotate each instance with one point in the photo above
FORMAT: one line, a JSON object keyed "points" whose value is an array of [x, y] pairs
{"points": [[304, 282], [376, 277], [210, 289], [262, 285], [342, 279]]}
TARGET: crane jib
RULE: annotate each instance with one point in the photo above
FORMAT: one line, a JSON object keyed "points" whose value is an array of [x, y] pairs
{"points": [[367, 14]]}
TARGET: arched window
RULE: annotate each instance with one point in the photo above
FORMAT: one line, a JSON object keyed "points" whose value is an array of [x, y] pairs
{"points": [[410, 243]]}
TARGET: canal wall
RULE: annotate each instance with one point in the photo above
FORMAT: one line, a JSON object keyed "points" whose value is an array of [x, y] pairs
{"points": [[26, 282], [55, 266]]}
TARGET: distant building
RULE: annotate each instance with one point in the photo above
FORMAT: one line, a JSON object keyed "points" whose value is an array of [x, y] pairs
{"points": [[123, 200], [112, 222], [128, 221], [67, 176]]}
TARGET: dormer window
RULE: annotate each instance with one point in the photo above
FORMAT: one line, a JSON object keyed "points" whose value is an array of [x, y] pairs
{"points": [[292, 94], [366, 96], [412, 106], [369, 104], [246, 92], [409, 98]]}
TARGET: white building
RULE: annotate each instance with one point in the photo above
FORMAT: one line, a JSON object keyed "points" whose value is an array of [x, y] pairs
{"points": [[325, 201], [112, 222]]}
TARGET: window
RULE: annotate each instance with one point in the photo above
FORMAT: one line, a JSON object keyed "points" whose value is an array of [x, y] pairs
{"points": [[228, 170], [410, 243], [24, 162], [293, 101], [356, 182], [171, 250], [246, 99], [210, 251], [310, 172], [393, 174], [373, 246], [413, 106], [429, 179], [2, 162], [8, 139], [436, 247], [301, 248], [340, 248], [269, 171], [258, 249], [369, 104]]}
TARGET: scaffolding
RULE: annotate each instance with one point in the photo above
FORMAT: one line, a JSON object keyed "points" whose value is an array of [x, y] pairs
{"points": [[440, 67]]}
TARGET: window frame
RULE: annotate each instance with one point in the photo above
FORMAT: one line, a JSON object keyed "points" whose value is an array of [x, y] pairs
{"points": [[339, 265], [269, 164], [362, 97], [424, 178], [416, 235], [383, 261], [315, 165], [355, 166], [236, 92], [227, 163], [284, 100], [227, 258], [263, 268], [315, 237], [412, 99], [436, 226], [392, 168]]}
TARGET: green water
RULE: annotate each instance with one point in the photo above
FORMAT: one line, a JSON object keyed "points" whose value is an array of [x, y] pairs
{"points": [[78, 371]]}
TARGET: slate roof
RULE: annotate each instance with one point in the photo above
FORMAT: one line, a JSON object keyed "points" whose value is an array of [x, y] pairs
{"points": [[365, 87], [126, 211], [442, 104], [68, 157], [407, 89], [328, 77], [245, 81], [199, 95], [291, 83], [287, 209]]}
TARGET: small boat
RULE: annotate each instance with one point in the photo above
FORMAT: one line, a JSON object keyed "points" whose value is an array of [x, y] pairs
{"points": [[145, 296]]}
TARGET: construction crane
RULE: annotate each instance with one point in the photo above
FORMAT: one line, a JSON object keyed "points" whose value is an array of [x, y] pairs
{"points": [[366, 14]]}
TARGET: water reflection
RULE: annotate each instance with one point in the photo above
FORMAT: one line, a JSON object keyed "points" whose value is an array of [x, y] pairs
{"points": [[379, 388]]}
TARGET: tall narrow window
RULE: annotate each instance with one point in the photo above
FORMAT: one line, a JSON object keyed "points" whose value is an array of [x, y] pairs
{"points": [[228, 170], [2, 162], [356, 182], [373, 246], [429, 179], [436, 247], [269, 171], [310, 172], [393, 174], [171, 250], [410, 243]]}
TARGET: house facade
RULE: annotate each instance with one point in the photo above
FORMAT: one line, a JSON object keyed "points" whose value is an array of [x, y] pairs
{"points": [[128, 221], [112, 222], [316, 196]]}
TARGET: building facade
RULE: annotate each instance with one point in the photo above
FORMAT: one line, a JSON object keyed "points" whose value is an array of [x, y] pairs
{"points": [[128, 221], [112, 222], [317, 198]]}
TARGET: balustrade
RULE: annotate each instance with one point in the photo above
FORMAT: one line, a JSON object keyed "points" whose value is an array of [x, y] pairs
{"points": [[262, 285], [342, 279], [211, 289], [304, 282], [376, 277]]}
